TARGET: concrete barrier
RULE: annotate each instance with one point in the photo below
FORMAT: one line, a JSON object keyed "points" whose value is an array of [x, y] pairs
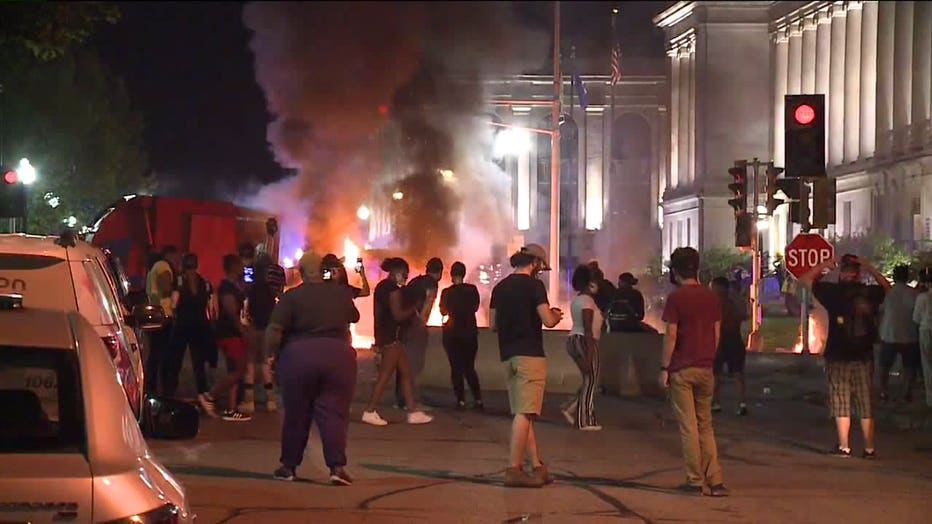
{"points": [[630, 363]]}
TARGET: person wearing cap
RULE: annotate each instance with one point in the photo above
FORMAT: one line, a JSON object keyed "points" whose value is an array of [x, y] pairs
{"points": [[849, 349], [261, 298], [228, 330], [627, 308], [459, 304], [922, 315], [693, 326], [420, 293], [519, 310], [389, 316], [337, 270], [308, 342]]}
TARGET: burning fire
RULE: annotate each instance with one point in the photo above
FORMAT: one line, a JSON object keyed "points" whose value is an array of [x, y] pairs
{"points": [[815, 336]]}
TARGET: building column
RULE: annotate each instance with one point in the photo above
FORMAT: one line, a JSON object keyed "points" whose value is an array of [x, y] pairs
{"points": [[836, 91], [683, 138], [868, 112], [533, 171], [594, 210], [691, 158], [903, 74], [781, 55], [795, 60], [852, 83], [922, 73], [673, 176], [886, 24], [823, 57], [809, 55], [523, 185]]}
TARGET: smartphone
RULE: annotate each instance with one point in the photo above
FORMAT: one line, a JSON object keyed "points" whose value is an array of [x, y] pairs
{"points": [[249, 274], [328, 274], [359, 265]]}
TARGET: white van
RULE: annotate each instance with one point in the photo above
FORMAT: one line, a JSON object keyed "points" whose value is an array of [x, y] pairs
{"points": [[67, 274], [70, 447]]}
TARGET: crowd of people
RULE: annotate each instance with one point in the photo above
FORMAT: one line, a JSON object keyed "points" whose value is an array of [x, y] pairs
{"points": [[304, 335]]}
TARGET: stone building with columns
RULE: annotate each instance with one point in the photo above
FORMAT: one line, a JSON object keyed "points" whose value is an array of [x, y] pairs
{"points": [[731, 63]]}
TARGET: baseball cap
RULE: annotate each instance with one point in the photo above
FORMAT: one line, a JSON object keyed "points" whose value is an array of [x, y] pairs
{"points": [[538, 252], [627, 278]]}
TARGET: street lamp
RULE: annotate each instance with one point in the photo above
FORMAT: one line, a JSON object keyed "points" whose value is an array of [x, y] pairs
{"points": [[26, 172], [363, 213], [397, 195]]}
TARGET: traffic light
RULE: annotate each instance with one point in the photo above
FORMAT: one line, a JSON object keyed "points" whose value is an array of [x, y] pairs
{"points": [[773, 185], [12, 194], [805, 135], [823, 202], [739, 203], [799, 194]]}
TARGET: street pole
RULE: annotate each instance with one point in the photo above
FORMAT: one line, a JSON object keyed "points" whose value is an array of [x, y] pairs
{"points": [[804, 291], [755, 261], [555, 161]]}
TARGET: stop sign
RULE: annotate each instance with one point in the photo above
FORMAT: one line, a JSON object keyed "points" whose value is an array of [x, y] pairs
{"points": [[806, 251]]}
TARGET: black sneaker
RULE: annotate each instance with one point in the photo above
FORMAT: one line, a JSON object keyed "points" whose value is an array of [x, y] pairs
{"points": [[339, 477], [869, 455], [838, 451], [236, 416], [718, 490], [690, 489], [284, 473]]}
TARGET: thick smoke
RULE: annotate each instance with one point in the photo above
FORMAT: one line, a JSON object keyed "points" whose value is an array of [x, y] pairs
{"points": [[330, 69]]}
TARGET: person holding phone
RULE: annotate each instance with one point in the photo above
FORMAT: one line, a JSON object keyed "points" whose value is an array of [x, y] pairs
{"points": [[334, 269]]}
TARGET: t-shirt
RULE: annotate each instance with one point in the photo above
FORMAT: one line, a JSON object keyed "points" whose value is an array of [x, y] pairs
{"points": [[626, 310], [315, 310], [460, 303], [577, 306], [695, 310], [152, 286], [734, 312], [852, 319], [520, 329], [387, 329], [228, 326], [191, 309], [415, 293], [260, 302], [897, 326]]}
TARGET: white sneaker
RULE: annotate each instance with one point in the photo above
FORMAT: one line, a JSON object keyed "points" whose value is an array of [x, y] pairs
{"points": [[419, 417], [372, 417], [591, 428]]}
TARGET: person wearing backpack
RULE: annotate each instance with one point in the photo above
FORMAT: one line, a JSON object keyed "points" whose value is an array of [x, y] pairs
{"points": [[627, 308]]}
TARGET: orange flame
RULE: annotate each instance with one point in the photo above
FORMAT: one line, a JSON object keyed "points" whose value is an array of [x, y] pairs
{"points": [[815, 342]]}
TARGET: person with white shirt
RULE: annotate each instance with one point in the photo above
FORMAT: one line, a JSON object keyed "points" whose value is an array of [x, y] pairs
{"points": [[583, 346], [922, 315], [899, 334]]}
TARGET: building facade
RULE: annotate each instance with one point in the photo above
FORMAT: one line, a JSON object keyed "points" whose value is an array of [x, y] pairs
{"points": [[731, 63]]}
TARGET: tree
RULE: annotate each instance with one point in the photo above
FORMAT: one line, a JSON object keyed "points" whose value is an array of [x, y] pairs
{"points": [[878, 248], [48, 30], [69, 115]]}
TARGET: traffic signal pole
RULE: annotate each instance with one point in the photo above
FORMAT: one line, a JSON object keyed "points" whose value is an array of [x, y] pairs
{"points": [[803, 290], [754, 337]]}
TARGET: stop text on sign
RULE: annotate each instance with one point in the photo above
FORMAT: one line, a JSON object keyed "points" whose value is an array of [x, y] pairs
{"points": [[807, 257]]}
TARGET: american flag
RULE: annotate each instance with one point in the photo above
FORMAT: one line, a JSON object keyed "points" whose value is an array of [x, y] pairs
{"points": [[616, 63]]}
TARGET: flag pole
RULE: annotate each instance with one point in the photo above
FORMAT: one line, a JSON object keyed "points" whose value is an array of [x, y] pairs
{"points": [[555, 162]]}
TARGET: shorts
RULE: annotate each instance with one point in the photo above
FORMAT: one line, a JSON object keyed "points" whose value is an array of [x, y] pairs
{"points": [[526, 378], [255, 345], [849, 380], [233, 348], [912, 358], [732, 358]]}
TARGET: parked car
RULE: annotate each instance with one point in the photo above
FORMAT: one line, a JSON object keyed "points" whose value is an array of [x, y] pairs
{"points": [[67, 274], [69, 443]]}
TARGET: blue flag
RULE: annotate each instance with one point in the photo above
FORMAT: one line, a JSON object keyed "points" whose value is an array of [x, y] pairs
{"points": [[581, 88]]}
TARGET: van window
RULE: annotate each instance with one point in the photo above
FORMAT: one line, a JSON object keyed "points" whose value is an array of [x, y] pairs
{"points": [[95, 298], [40, 391], [44, 281]]}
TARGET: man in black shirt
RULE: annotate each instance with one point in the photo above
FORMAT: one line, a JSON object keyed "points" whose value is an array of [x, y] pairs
{"points": [[849, 349], [459, 304], [518, 311], [627, 309], [191, 328], [420, 293], [605, 291]]}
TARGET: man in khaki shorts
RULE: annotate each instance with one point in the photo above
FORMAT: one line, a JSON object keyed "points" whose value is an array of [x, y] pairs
{"points": [[519, 309]]}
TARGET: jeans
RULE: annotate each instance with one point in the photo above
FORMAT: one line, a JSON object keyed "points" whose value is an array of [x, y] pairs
{"points": [[691, 393], [925, 350], [158, 341], [198, 339], [317, 378], [461, 352]]}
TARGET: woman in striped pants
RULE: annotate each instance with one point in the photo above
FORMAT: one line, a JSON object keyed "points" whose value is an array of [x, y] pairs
{"points": [[583, 347]]}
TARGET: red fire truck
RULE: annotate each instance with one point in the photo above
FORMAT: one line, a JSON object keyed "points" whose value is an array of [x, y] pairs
{"points": [[136, 226]]}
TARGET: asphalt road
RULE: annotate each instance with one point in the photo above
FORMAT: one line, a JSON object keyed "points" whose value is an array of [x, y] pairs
{"points": [[451, 470]]}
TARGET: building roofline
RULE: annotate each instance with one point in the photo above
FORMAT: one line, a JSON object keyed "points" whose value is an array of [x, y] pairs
{"points": [[674, 14]]}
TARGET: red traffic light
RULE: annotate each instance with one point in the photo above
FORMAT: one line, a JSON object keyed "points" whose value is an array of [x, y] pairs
{"points": [[10, 177], [804, 114], [383, 109]]}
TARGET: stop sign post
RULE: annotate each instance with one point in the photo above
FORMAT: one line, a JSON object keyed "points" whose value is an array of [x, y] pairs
{"points": [[803, 253], [807, 251]]}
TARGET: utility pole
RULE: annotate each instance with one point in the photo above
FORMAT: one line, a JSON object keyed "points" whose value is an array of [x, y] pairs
{"points": [[555, 161], [804, 292], [754, 338]]}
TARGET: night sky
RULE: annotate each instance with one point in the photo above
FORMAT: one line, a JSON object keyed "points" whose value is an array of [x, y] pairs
{"points": [[189, 70]]}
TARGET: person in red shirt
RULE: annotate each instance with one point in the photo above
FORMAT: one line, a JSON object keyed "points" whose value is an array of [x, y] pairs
{"points": [[693, 318]]}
